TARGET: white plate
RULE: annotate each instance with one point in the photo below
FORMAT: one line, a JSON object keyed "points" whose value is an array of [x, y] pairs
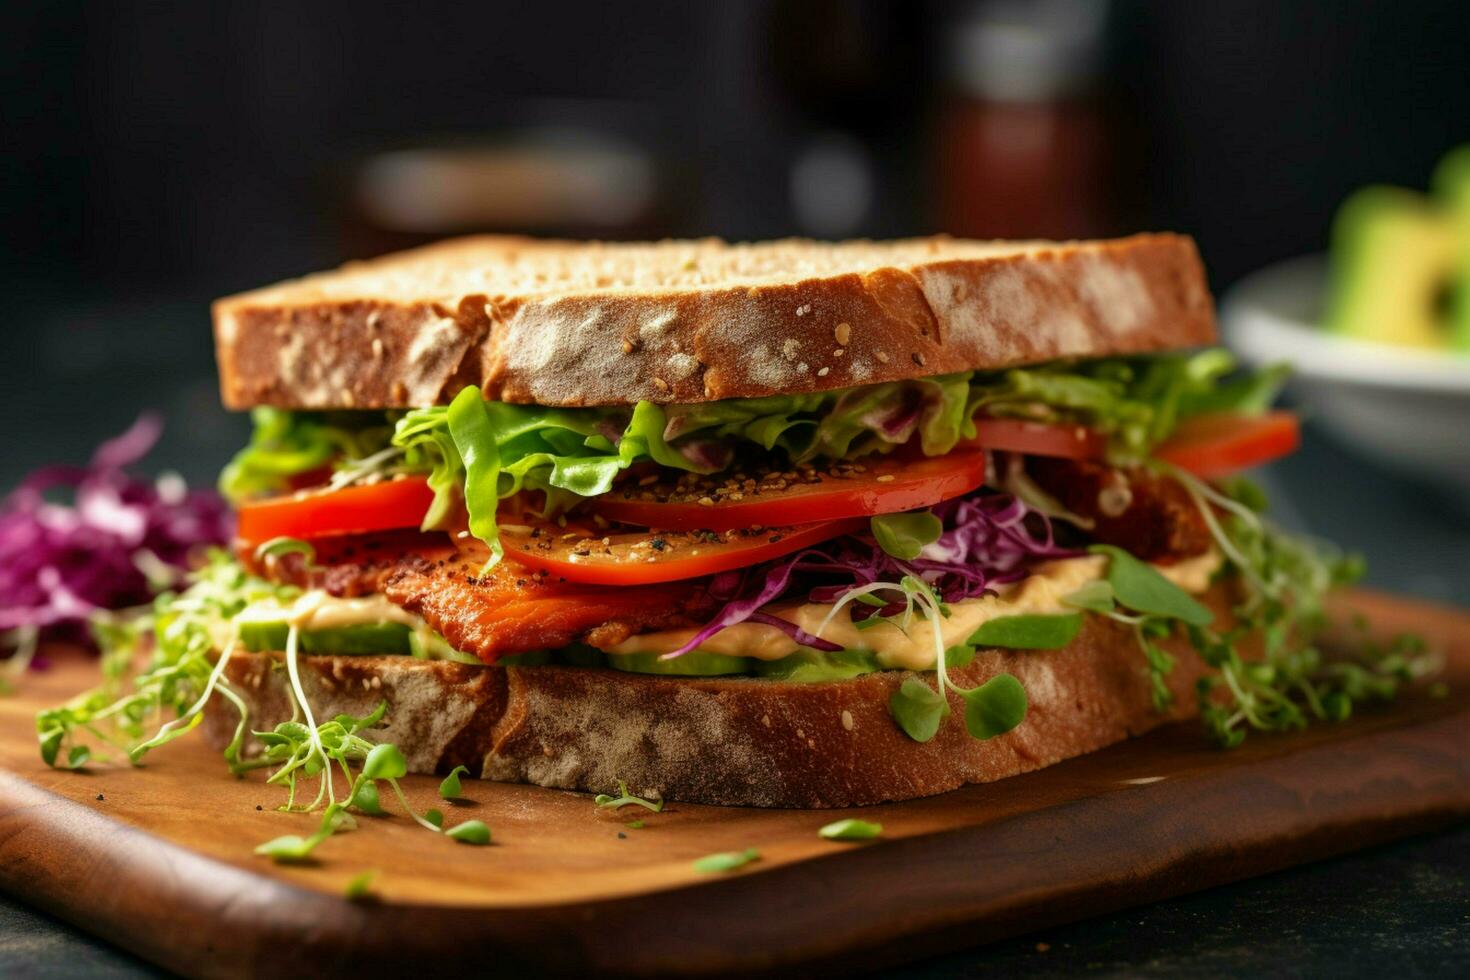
{"points": [[1404, 407]]}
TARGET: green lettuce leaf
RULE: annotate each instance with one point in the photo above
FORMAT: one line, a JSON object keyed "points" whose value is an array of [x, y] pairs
{"points": [[477, 452], [1136, 401], [285, 443]]}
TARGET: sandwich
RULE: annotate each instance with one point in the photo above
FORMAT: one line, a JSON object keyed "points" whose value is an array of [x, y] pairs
{"points": [[787, 524]]}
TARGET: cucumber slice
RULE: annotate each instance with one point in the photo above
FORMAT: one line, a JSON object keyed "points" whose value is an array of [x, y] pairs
{"points": [[692, 664], [531, 658], [814, 666], [581, 655], [360, 639]]}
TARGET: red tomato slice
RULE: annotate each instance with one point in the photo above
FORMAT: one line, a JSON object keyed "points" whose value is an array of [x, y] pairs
{"points": [[352, 510], [1039, 438], [1216, 445], [881, 485], [600, 557]]}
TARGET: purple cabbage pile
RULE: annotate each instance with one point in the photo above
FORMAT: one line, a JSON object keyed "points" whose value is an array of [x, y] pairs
{"points": [[988, 540], [110, 547]]}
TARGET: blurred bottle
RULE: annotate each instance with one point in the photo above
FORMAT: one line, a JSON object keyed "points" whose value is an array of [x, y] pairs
{"points": [[1022, 138], [558, 174], [850, 80]]}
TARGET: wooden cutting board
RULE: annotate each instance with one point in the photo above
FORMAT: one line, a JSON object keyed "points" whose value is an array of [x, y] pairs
{"points": [[159, 860]]}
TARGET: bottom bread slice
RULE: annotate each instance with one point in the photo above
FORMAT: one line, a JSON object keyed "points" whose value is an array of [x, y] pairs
{"points": [[738, 741]]}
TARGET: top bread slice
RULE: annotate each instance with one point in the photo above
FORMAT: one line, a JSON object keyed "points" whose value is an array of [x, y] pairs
{"points": [[593, 323]]}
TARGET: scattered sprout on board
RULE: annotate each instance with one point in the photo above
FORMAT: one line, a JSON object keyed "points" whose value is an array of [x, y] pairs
{"points": [[178, 678], [851, 829], [726, 861], [625, 798]]}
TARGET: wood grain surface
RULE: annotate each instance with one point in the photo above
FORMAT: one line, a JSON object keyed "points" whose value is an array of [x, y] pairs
{"points": [[158, 859]]}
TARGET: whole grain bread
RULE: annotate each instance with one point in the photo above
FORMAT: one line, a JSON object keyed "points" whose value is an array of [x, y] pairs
{"points": [[592, 323], [731, 741]]}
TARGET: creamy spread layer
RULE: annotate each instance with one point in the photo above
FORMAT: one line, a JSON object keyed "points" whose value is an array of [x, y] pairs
{"points": [[1039, 593]]}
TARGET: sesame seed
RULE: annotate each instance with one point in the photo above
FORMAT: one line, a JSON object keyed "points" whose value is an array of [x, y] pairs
{"points": [[843, 333], [628, 346], [660, 384], [882, 357], [823, 372], [885, 478], [839, 352], [918, 358]]}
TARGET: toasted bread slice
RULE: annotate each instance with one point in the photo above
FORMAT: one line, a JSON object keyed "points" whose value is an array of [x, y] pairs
{"points": [[734, 741], [572, 323]]}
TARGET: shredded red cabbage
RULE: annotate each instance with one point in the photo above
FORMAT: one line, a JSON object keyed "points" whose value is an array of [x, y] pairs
{"points": [[988, 539], [109, 547], [710, 455], [895, 421]]}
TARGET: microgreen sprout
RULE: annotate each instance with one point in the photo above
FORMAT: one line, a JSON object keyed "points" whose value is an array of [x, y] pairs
{"points": [[179, 634], [991, 709], [904, 536], [1156, 603], [851, 829], [277, 548], [22, 642], [625, 798], [292, 849], [1287, 579], [360, 886], [450, 788], [726, 861], [470, 832]]}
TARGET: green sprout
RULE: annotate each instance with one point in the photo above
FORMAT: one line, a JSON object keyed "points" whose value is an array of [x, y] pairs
{"points": [[625, 798]]}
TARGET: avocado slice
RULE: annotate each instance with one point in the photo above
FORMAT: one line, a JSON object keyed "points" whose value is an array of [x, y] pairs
{"points": [[1451, 185], [814, 666], [1394, 258], [695, 663], [364, 639]]}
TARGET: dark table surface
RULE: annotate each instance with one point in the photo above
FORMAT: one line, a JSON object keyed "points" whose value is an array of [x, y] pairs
{"points": [[1402, 908]]}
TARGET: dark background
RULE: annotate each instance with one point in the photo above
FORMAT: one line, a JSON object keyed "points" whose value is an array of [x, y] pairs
{"points": [[157, 155]]}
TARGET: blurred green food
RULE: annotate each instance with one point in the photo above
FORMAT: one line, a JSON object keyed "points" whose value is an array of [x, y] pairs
{"points": [[1451, 184], [1401, 262]]}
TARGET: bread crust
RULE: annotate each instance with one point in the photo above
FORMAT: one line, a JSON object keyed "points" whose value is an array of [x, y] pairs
{"points": [[412, 329], [728, 741]]}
